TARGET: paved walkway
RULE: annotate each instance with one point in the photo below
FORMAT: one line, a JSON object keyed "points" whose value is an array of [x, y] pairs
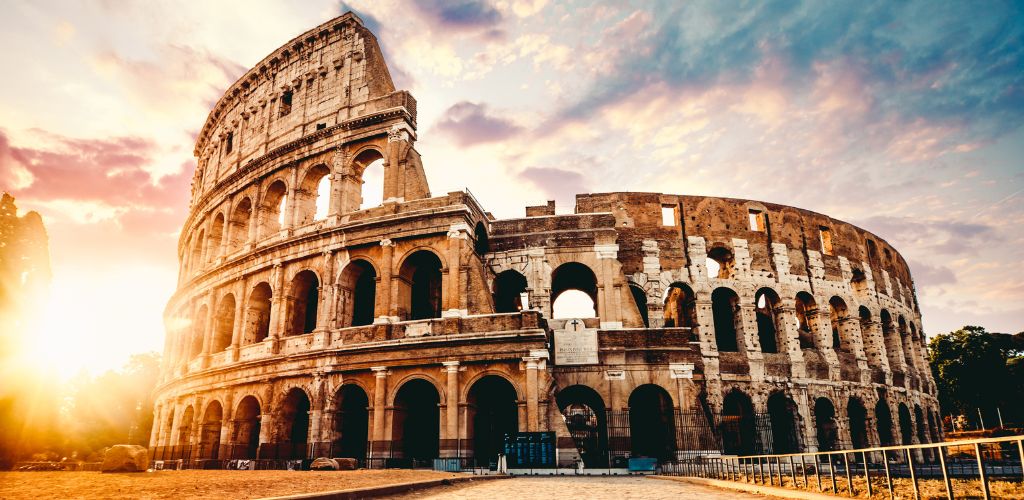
{"points": [[579, 487]]}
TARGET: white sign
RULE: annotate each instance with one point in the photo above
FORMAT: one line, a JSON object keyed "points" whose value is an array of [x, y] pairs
{"points": [[576, 344]]}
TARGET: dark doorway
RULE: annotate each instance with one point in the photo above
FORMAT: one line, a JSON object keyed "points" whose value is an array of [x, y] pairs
{"points": [[492, 401], [247, 429], [906, 426], [295, 424], [825, 424], [422, 273], [738, 424], [584, 413], [509, 287], [783, 414], [415, 423], [652, 427], [858, 417], [883, 422], [351, 421]]}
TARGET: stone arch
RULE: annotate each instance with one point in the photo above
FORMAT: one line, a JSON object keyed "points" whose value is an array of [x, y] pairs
{"points": [[652, 422], [680, 306], [415, 420], [857, 416], [785, 420], [368, 168], [168, 427], [351, 421], [573, 277], [838, 314], [825, 424], [509, 288], [293, 429], [303, 300], [922, 436], [246, 435], [883, 423], [807, 320], [238, 224], [273, 209], [418, 376], [769, 334], [224, 323], [584, 413], [309, 207], [198, 331], [358, 287], [481, 242], [738, 424], [720, 262], [209, 432], [185, 426], [420, 290], [493, 412], [216, 235], [640, 301], [893, 346], [520, 395], [906, 424], [726, 310], [257, 313], [195, 260]]}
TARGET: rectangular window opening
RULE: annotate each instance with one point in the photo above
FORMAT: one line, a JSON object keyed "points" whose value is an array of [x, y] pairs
{"points": [[286, 102], [756, 220], [230, 142], [826, 240], [668, 215], [321, 126]]}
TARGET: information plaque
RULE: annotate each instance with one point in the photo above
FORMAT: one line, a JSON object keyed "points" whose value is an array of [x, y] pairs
{"points": [[576, 344], [530, 449]]}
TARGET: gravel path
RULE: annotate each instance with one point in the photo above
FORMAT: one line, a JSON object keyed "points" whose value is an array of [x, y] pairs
{"points": [[578, 487]]}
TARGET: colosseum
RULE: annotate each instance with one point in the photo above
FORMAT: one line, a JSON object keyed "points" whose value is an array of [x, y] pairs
{"points": [[329, 304]]}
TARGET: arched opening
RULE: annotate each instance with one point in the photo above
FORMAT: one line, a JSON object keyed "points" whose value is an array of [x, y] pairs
{"points": [[185, 426], [573, 291], [415, 422], [303, 303], [766, 302], [651, 423], [737, 426], [806, 316], [922, 437], [312, 198], [680, 306], [238, 225], [892, 341], [198, 332], [907, 342], [725, 309], [933, 427], [294, 415], [195, 262], [838, 314], [857, 414], [719, 263], [640, 299], [225, 323], [370, 165], [906, 425], [493, 413], [272, 210], [510, 292], [825, 424], [257, 314], [481, 244], [351, 422], [782, 412], [168, 428], [883, 423], [213, 243], [584, 414], [247, 429], [358, 293], [420, 284], [209, 432]]}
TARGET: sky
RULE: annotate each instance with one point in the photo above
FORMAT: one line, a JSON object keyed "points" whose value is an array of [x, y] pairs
{"points": [[904, 118]]}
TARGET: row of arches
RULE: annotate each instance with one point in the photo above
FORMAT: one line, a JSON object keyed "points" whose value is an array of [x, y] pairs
{"points": [[262, 215]]}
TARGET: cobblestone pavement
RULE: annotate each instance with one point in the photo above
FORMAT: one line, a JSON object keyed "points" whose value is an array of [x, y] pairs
{"points": [[578, 487]]}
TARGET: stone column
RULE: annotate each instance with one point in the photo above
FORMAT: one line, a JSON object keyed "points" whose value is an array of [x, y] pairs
{"points": [[532, 390], [384, 306], [158, 417], [790, 326], [607, 296], [211, 315], [378, 447], [453, 300], [326, 294], [277, 303], [451, 368], [254, 223]]}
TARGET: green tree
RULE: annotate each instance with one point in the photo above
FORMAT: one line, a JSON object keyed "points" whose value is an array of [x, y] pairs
{"points": [[975, 369]]}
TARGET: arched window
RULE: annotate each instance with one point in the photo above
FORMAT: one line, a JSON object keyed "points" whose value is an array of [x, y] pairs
{"points": [[838, 314], [312, 199], [185, 426], [825, 424], [640, 299], [303, 303], [209, 433], [858, 417], [767, 302], [257, 314], [510, 292], [420, 290], [198, 332], [907, 341], [680, 310], [922, 436], [238, 225], [725, 308], [247, 428], [782, 412], [738, 427], [369, 165], [225, 323], [358, 293], [415, 422], [494, 413], [719, 263], [893, 346], [573, 291], [272, 210], [351, 422], [195, 262], [906, 426], [213, 243], [883, 421], [584, 414], [294, 418], [652, 422], [481, 244], [806, 316]]}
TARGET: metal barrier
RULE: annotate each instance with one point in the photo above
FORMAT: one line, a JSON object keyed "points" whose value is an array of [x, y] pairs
{"points": [[985, 460]]}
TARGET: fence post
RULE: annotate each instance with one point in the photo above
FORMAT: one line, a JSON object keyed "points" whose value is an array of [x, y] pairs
{"points": [[945, 473], [981, 472], [849, 475], [832, 474], [867, 472], [888, 475], [913, 477]]}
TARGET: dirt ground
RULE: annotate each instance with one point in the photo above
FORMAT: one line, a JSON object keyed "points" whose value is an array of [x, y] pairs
{"points": [[213, 484]]}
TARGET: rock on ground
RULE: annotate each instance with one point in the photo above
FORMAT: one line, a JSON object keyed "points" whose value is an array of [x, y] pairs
{"points": [[125, 458], [323, 463]]}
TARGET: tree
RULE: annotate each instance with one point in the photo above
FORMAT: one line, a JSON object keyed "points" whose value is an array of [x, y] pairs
{"points": [[975, 369]]}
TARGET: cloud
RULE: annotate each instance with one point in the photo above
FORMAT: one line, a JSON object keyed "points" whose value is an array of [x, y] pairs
{"points": [[926, 275], [556, 183], [458, 14], [950, 237], [470, 124]]}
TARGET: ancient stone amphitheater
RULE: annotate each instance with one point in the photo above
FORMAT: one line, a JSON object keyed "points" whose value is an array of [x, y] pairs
{"points": [[310, 321]]}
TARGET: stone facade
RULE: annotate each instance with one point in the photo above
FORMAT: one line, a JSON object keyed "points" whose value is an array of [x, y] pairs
{"points": [[423, 327]]}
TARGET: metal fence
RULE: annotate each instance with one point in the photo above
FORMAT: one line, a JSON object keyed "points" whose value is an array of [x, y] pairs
{"points": [[981, 459]]}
